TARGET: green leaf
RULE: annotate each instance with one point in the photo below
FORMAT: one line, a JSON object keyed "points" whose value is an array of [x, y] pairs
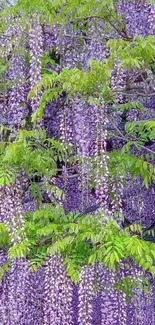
{"points": [[92, 258], [152, 270]]}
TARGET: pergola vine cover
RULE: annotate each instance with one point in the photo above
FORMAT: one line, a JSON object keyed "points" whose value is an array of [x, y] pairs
{"points": [[77, 128]]}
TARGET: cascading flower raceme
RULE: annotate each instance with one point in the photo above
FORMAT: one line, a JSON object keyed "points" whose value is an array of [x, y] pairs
{"points": [[66, 127], [101, 159], [83, 126], [86, 293], [122, 303], [58, 297], [66, 137], [17, 294], [17, 95], [3, 259], [14, 293], [36, 52], [35, 296], [14, 109], [11, 38], [135, 16], [11, 210], [118, 80], [151, 20], [117, 194], [109, 297]]}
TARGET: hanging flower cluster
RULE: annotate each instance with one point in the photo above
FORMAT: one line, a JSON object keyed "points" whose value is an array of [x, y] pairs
{"points": [[83, 137], [14, 108], [36, 52], [57, 294], [117, 194], [66, 137], [135, 16], [86, 293], [122, 303], [118, 80], [109, 297], [101, 159], [17, 294], [17, 95], [66, 127], [3, 259], [35, 295], [151, 20], [11, 209], [14, 291], [11, 38]]}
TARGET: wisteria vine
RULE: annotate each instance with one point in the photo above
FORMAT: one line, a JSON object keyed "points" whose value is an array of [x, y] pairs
{"points": [[91, 124]]}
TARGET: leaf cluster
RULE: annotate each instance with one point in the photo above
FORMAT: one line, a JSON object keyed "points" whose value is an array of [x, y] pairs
{"points": [[31, 152], [82, 241]]}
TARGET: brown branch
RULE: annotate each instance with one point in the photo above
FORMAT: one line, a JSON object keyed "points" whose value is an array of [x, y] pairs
{"points": [[69, 176], [123, 34], [132, 80], [48, 31], [133, 94], [87, 37], [143, 147], [121, 134]]}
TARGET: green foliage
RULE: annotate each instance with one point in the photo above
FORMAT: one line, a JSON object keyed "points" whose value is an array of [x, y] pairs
{"points": [[6, 176], [81, 240], [130, 105], [135, 54], [3, 269], [145, 129], [4, 236], [88, 241], [47, 59], [4, 83], [94, 83], [124, 163], [18, 250], [39, 158]]}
